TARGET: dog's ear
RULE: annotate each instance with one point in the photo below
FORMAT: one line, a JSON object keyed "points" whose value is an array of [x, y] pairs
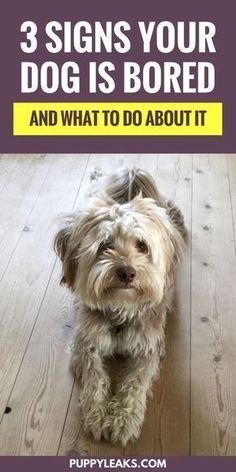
{"points": [[177, 218], [64, 248], [174, 244]]}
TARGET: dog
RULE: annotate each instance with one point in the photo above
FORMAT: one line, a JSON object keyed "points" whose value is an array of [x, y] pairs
{"points": [[119, 254]]}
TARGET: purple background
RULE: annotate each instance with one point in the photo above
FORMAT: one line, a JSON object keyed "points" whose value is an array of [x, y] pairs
{"points": [[174, 464], [14, 13]]}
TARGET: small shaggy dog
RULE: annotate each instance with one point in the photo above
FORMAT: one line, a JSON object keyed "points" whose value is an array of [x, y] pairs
{"points": [[119, 256]]}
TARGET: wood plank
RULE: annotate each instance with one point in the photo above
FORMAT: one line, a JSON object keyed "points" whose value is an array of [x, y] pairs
{"points": [[213, 310], [18, 198], [43, 387], [25, 280], [166, 429], [231, 163], [7, 164], [73, 438]]}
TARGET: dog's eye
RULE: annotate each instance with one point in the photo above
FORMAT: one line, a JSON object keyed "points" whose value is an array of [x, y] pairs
{"points": [[141, 247], [105, 246]]}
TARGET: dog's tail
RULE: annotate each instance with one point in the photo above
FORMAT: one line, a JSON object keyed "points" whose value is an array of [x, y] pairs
{"points": [[126, 184]]}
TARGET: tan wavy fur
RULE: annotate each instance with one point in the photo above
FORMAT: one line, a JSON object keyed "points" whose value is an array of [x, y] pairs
{"points": [[119, 254]]}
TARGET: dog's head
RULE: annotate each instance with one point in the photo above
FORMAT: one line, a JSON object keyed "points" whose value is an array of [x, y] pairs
{"points": [[117, 256]]}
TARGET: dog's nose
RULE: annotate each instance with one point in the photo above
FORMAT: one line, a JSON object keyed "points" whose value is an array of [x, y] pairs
{"points": [[126, 274]]}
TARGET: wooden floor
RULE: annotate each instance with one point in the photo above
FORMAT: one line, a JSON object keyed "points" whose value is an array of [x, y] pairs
{"points": [[193, 410]]}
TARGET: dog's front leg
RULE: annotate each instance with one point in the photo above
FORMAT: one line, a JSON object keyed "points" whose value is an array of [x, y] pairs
{"points": [[88, 366], [127, 407]]}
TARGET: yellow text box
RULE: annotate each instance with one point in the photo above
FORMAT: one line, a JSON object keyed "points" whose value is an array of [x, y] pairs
{"points": [[117, 119]]}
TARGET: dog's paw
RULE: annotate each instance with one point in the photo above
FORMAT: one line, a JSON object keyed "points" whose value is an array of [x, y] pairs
{"points": [[94, 420], [93, 402], [123, 422]]}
